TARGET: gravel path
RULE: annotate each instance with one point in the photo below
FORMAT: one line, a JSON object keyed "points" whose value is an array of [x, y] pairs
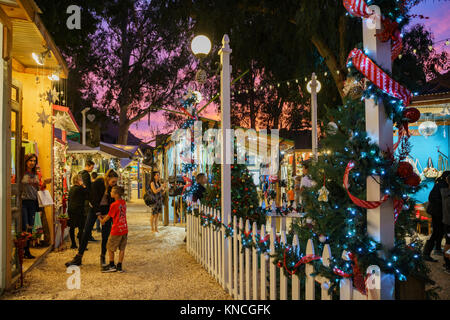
{"points": [[156, 266]]}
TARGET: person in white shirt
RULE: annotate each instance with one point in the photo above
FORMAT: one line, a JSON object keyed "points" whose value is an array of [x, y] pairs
{"points": [[306, 181]]}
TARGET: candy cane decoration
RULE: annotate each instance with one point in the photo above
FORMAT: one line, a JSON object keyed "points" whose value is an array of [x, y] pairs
{"points": [[378, 77], [359, 8]]}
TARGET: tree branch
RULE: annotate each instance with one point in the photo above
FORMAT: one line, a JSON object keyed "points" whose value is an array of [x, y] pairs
{"points": [[331, 61]]}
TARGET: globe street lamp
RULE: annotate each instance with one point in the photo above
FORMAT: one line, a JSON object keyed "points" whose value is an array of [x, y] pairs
{"points": [[201, 46]]}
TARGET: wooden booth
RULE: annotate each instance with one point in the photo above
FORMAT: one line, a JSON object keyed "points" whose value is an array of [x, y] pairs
{"points": [[31, 68]]}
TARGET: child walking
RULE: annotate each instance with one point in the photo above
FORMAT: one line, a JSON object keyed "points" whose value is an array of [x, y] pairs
{"points": [[77, 195], [119, 231]]}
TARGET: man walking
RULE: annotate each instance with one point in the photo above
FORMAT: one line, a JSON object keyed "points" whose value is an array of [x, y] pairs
{"points": [[86, 176]]}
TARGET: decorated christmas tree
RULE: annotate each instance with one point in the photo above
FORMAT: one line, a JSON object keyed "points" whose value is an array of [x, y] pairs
{"points": [[336, 209], [244, 196]]}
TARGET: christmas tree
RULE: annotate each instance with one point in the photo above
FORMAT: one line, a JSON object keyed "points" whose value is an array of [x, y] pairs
{"points": [[335, 207], [244, 196]]}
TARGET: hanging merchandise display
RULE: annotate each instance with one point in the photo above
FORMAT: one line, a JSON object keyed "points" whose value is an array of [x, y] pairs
{"points": [[60, 188], [442, 163], [430, 171]]}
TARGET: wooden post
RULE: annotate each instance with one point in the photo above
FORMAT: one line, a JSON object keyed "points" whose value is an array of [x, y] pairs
{"points": [[295, 278], [264, 257], [255, 263], [309, 269], [326, 256], [283, 278], [247, 265], [380, 221], [241, 263], [227, 154], [272, 268], [235, 257]]}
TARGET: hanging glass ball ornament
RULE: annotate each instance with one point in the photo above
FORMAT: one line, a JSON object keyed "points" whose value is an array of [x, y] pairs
{"points": [[427, 128]]}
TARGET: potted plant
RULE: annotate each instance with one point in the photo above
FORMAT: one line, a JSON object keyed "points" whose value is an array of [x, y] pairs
{"points": [[20, 242]]}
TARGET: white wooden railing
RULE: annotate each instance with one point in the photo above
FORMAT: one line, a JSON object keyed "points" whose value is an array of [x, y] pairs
{"points": [[251, 274]]}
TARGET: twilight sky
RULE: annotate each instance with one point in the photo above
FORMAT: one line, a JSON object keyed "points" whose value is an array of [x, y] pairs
{"points": [[438, 22]]}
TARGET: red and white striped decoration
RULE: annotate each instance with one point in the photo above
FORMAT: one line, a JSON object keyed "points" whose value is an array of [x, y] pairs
{"points": [[358, 8], [397, 46], [357, 201], [398, 203], [378, 77]]}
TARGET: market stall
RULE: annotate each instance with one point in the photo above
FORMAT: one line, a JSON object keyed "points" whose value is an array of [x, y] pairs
{"points": [[33, 67], [64, 124], [126, 160], [430, 141]]}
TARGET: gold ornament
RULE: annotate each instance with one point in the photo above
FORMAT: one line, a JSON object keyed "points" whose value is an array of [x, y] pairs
{"points": [[353, 87], [323, 194]]}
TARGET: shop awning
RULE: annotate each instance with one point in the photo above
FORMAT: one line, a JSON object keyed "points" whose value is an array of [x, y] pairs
{"points": [[64, 119], [75, 147], [121, 151], [125, 162], [31, 36]]}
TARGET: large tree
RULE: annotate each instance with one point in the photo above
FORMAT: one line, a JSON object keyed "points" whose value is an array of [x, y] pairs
{"points": [[143, 59]]}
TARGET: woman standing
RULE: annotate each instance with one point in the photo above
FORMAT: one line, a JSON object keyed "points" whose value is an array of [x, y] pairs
{"points": [[100, 200], [31, 183], [435, 210], [156, 208], [77, 195]]}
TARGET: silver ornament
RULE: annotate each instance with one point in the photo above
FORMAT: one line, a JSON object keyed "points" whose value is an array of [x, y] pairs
{"points": [[332, 128]]}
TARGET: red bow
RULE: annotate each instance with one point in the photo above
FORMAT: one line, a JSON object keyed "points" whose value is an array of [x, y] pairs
{"points": [[306, 259], [188, 184]]}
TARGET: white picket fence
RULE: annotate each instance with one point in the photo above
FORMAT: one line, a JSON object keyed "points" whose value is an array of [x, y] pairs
{"points": [[251, 275]]}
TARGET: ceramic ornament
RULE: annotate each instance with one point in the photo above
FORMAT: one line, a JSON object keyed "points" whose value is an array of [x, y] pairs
{"points": [[323, 194]]}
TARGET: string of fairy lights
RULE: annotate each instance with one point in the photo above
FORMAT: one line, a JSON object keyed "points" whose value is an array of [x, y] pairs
{"points": [[301, 81]]}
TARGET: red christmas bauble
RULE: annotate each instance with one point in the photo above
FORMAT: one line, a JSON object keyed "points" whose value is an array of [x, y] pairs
{"points": [[279, 265], [412, 114], [413, 180], [405, 169]]}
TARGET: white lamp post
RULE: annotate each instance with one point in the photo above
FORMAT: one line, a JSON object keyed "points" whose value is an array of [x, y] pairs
{"points": [[201, 46], [83, 112], [313, 88], [227, 153]]}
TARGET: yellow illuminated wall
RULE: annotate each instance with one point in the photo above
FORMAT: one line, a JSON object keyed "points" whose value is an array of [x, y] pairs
{"points": [[31, 105]]}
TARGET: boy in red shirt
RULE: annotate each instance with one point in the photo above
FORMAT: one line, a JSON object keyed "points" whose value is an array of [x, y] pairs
{"points": [[119, 231]]}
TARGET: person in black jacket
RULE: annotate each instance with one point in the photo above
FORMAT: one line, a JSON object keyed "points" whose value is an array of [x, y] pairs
{"points": [[435, 210], [445, 192], [100, 201], [77, 195], [86, 176], [200, 180]]}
